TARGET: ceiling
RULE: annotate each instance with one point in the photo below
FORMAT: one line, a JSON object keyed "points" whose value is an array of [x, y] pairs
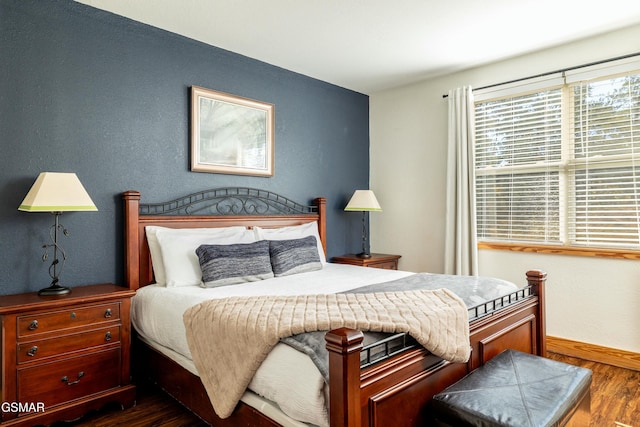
{"points": [[372, 45]]}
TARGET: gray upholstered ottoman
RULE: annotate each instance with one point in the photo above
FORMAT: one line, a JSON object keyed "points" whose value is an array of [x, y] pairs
{"points": [[517, 389]]}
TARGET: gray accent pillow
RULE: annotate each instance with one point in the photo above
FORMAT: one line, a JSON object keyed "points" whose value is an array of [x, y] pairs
{"points": [[294, 256], [223, 265]]}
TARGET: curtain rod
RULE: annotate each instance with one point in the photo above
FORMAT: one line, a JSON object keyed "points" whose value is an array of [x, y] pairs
{"points": [[563, 70]]}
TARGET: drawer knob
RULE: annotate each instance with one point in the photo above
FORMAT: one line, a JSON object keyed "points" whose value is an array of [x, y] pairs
{"points": [[33, 325], [32, 351], [65, 379], [107, 314], [107, 336]]}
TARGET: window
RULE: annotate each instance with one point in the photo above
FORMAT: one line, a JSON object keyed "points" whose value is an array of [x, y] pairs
{"points": [[561, 165]]}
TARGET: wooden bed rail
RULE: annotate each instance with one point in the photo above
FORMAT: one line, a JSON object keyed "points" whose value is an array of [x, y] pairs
{"points": [[131, 200], [344, 346], [412, 378], [537, 279]]}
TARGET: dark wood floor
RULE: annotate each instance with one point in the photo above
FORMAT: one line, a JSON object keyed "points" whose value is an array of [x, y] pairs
{"points": [[153, 408], [615, 393], [615, 402]]}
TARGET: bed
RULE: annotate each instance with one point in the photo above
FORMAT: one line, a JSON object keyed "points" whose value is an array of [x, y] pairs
{"points": [[388, 383]]}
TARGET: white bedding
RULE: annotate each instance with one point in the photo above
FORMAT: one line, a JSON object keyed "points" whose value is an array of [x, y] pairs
{"points": [[157, 316]]}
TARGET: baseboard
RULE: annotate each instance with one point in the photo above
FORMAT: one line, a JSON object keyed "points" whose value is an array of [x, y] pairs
{"points": [[595, 353]]}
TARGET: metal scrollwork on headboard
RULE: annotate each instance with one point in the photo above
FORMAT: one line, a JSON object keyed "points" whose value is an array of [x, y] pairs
{"points": [[228, 201]]}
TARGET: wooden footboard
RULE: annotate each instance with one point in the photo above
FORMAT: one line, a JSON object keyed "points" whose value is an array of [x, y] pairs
{"points": [[395, 392], [398, 391]]}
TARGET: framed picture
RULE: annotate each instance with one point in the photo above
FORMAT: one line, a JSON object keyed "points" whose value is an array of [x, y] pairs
{"points": [[230, 134]]}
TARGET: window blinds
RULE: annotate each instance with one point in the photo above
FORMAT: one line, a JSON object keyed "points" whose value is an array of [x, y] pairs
{"points": [[518, 157], [561, 165], [604, 171]]}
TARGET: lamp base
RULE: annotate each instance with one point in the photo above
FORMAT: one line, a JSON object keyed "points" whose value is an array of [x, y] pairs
{"points": [[54, 290], [363, 255]]}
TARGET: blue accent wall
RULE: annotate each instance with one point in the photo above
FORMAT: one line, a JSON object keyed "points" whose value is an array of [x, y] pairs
{"points": [[86, 91]]}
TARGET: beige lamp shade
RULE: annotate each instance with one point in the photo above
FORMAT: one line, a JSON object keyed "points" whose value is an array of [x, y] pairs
{"points": [[57, 192], [363, 200]]}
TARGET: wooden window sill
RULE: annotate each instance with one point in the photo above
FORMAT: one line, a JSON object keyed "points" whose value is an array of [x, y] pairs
{"points": [[562, 250]]}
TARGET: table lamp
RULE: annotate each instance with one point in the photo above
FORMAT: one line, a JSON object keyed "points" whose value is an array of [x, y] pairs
{"points": [[56, 192], [365, 201]]}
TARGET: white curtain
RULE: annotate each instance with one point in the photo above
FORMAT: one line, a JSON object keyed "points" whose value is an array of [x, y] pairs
{"points": [[461, 251]]}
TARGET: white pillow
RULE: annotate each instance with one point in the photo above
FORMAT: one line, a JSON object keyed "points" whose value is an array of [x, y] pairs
{"points": [[181, 265], [292, 232], [156, 253]]}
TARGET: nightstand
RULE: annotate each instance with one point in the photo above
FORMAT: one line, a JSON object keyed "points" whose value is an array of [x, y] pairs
{"points": [[63, 356], [389, 262]]}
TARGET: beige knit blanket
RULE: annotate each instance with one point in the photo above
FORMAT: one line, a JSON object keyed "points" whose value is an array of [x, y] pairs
{"points": [[230, 337]]}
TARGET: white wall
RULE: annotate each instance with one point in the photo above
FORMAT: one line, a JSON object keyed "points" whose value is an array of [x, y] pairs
{"points": [[592, 300]]}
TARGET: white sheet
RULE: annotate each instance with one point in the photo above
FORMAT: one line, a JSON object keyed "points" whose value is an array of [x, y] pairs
{"points": [[157, 315]]}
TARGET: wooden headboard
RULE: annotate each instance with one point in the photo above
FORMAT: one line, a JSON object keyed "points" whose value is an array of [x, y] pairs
{"points": [[221, 207]]}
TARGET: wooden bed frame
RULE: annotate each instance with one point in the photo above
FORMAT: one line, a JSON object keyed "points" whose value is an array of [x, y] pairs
{"points": [[396, 390]]}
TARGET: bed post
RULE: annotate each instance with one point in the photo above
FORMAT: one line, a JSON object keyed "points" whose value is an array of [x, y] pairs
{"points": [[131, 201], [321, 204], [537, 279], [344, 346]]}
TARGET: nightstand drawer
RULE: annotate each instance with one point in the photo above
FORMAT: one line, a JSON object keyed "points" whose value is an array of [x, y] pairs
{"points": [[41, 349], [387, 265], [69, 379], [71, 318]]}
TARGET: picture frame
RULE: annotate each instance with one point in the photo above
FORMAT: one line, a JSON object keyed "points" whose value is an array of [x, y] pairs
{"points": [[231, 134]]}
